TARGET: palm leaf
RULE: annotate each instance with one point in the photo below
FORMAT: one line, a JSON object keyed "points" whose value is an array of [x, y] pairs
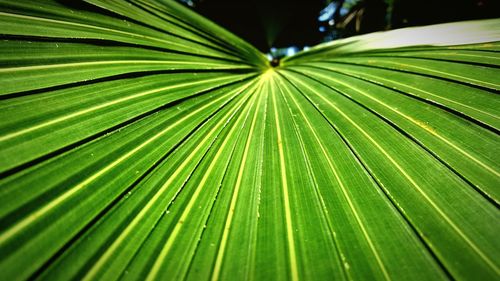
{"points": [[139, 140]]}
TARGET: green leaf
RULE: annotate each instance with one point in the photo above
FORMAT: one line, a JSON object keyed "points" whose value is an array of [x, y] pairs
{"points": [[140, 141]]}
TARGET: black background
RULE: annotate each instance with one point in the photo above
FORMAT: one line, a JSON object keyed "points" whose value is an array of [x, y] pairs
{"points": [[282, 23]]}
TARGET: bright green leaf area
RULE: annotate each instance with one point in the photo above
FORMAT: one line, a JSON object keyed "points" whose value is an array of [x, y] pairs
{"points": [[140, 141]]}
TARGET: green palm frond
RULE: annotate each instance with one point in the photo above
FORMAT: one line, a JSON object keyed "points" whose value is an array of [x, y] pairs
{"points": [[140, 141]]}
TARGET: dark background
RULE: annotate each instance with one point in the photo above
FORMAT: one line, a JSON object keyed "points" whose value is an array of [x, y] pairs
{"points": [[285, 23]]}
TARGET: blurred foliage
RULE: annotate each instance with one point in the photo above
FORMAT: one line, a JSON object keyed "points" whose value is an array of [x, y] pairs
{"points": [[281, 24]]}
